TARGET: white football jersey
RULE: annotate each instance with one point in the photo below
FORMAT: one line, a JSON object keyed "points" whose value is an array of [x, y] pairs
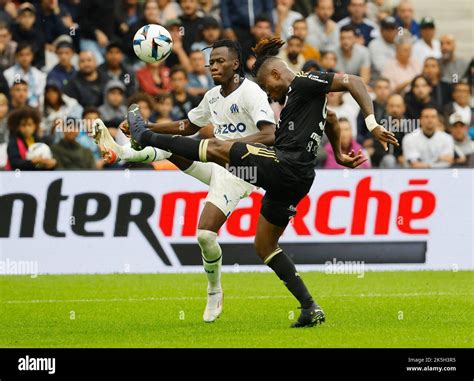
{"points": [[236, 115]]}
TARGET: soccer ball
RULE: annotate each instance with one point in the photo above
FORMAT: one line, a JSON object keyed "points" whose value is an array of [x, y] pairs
{"points": [[39, 150], [152, 43]]}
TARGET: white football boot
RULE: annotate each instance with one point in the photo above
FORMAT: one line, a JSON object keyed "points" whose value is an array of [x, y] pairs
{"points": [[215, 301]]}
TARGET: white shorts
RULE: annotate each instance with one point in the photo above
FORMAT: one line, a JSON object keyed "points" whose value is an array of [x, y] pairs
{"points": [[226, 190]]}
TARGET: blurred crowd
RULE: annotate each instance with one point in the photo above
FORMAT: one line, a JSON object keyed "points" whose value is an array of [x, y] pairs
{"points": [[65, 63]]}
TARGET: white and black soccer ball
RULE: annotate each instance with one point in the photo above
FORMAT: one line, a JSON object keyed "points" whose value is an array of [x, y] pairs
{"points": [[152, 43], [37, 150]]}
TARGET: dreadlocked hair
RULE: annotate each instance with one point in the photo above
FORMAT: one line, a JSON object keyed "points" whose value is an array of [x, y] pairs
{"points": [[265, 49], [236, 48]]}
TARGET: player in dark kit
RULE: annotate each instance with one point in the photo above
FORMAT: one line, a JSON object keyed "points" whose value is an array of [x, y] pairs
{"points": [[285, 171]]}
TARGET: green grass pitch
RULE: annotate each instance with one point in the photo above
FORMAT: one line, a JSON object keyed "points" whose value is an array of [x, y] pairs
{"points": [[382, 309]]}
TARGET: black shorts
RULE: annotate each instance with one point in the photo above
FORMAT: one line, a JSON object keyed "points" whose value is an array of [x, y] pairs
{"points": [[260, 165]]}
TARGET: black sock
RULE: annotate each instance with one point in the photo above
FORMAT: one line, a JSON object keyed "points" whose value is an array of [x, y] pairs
{"points": [[179, 145], [286, 271]]}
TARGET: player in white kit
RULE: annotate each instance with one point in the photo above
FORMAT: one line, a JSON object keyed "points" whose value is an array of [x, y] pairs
{"points": [[238, 109]]}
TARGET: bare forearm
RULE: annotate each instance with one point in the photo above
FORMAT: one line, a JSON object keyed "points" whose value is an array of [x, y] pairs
{"points": [[180, 127], [260, 137], [355, 85], [333, 132]]}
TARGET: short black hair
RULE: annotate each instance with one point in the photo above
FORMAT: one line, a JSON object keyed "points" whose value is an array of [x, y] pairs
{"points": [[294, 38], [265, 49], [22, 46], [429, 106], [262, 18], [90, 110], [236, 48], [178, 68], [348, 28]]}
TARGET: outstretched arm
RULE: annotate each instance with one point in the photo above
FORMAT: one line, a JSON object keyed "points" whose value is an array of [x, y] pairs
{"points": [[266, 135], [333, 132], [355, 85]]}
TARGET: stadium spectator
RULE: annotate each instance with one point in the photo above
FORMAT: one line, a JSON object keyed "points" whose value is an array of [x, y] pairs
{"points": [[300, 29], [382, 48], [323, 32], [210, 32], [49, 21], [262, 29], [441, 93], [4, 88], [210, 8], [24, 126], [460, 103], [129, 13], [114, 68], [168, 10], [292, 54], [64, 70], [88, 116], [463, 145], [402, 69], [427, 45], [238, 16], [191, 22], [418, 97], [328, 61], [23, 69], [4, 133], [163, 108], [24, 32], [352, 58], [99, 24], [377, 10], [183, 102], [88, 84], [8, 12], [394, 120], [453, 68], [69, 154], [406, 20], [311, 65], [348, 144], [19, 94], [150, 15], [199, 79], [365, 29], [154, 79], [284, 17], [113, 109], [57, 106], [7, 47], [382, 92], [178, 55], [426, 147]]}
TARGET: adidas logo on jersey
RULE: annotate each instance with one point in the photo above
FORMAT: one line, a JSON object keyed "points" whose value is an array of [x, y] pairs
{"points": [[234, 108]]}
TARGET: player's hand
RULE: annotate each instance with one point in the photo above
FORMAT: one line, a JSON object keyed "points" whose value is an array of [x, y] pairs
{"points": [[384, 137], [351, 160], [125, 128]]}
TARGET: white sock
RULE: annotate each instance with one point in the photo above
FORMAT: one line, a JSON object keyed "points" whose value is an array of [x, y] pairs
{"points": [[146, 155], [200, 171], [211, 258]]}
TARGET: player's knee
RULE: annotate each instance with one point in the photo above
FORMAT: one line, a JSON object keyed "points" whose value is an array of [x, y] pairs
{"points": [[262, 248], [207, 241], [217, 150]]}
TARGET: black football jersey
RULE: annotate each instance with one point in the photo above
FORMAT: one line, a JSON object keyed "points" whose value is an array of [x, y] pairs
{"points": [[302, 121]]}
